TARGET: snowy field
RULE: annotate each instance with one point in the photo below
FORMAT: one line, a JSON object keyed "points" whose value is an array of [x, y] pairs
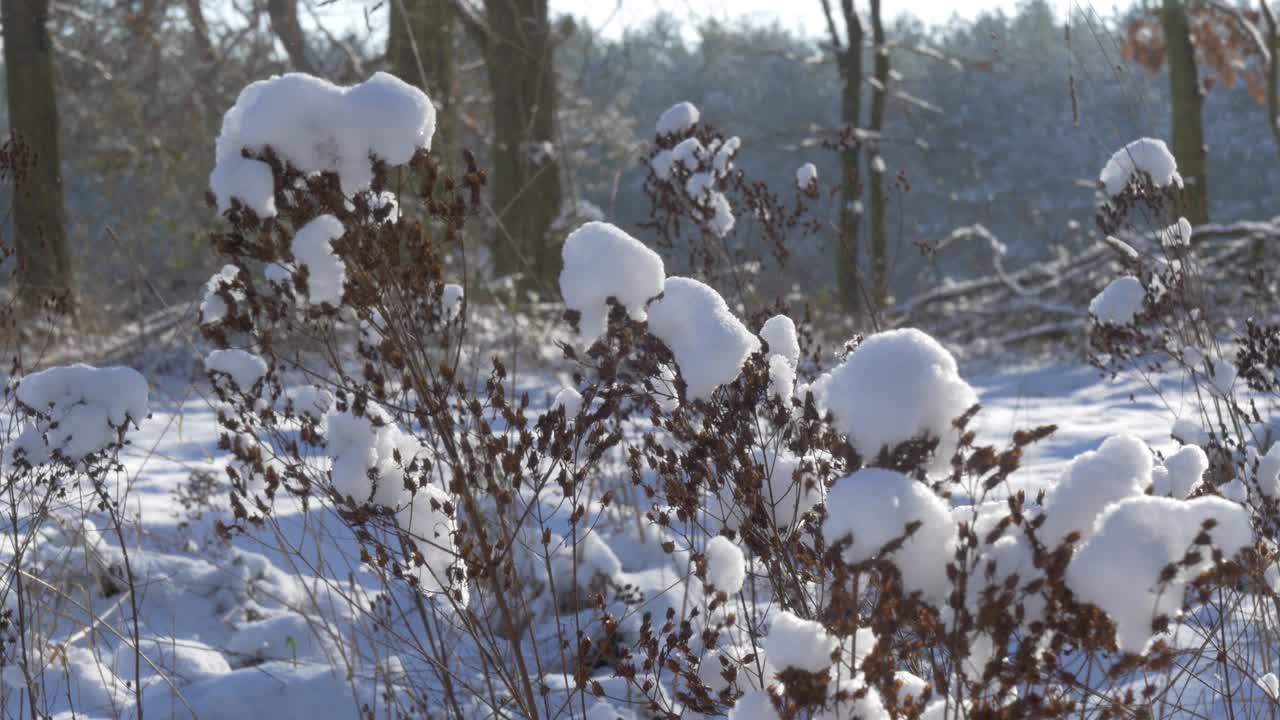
{"points": [[224, 617]]}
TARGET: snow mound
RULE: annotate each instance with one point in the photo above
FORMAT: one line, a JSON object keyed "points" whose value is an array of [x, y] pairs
{"points": [[313, 249], [780, 332], [1119, 469], [1119, 569], [1149, 155], [710, 344], [364, 451], [569, 399], [1183, 472], [428, 520], [806, 175], [603, 261], [244, 368], [794, 642], [755, 705], [451, 300], [678, 118], [896, 386], [782, 377], [317, 126], [79, 409], [726, 567], [875, 506], [213, 307], [1119, 302]]}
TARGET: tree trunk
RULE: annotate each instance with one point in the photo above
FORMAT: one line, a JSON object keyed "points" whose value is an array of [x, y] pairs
{"points": [[848, 279], [420, 52], [879, 99], [200, 30], [1186, 121], [526, 174], [1273, 72], [284, 23], [44, 263]]}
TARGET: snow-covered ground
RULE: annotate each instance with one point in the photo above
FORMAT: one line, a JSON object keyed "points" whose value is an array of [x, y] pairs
{"points": [[230, 620]]}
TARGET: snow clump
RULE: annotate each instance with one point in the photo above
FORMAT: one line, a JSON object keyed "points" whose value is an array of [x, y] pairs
{"points": [[313, 249], [1119, 469], [726, 567], [569, 399], [317, 126], [709, 343], [79, 409], [364, 451], [1148, 155], [213, 308], [794, 642], [1119, 302], [244, 368], [678, 118], [780, 332], [874, 506], [896, 386], [1119, 569], [806, 176], [602, 261], [1183, 472]]}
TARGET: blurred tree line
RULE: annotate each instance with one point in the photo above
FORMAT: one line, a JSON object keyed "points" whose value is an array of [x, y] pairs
{"points": [[1003, 121]]}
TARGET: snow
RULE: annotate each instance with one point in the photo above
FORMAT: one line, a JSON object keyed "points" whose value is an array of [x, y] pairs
{"points": [[429, 524], [1119, 302], [709, 343], [244, 368], [678, 118], [806, 175], [722, 220], [569, 399], [602, 261], [755, 705], [722, 163], [896, 386], [780, 332], [317, 126], [1119, 568], [661, 163], [1184, 471], [689, 152], [1177, 235], [726, 566], [361, 446], [313, 249], [782, 377], [77, 410], [213, 307], [1149, 155], [451, 300], [1119, 469], [308, 400], [794, 642], [874, 506]]}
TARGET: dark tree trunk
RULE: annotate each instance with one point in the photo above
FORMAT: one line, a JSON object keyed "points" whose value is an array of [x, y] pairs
{"points": [[420, 52], [879, 99], [1186, 121], [848, 276], [284, 23], [526, 174], [44, 263]]}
